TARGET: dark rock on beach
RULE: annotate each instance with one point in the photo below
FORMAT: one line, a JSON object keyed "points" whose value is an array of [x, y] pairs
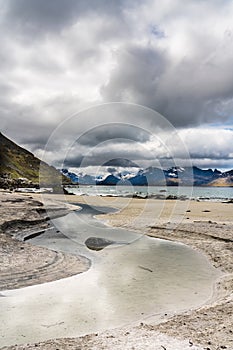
{"points": [[96, 243]]}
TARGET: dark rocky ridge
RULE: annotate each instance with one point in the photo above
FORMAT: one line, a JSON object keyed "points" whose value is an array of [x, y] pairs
{"points": [[20, 168]]}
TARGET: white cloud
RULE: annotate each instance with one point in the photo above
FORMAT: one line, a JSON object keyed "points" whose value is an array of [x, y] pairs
{"points": [[209, 143]]}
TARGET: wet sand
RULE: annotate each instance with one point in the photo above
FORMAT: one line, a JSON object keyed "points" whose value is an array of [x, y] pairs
{"points": [[202, 225], [22, 264]]}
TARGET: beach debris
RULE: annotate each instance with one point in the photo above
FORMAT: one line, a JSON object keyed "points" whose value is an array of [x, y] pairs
{"points": [[171, 196], [228, 201], [190, 343], [145, 268], [52, 325], [206, 211], [163, 347]]}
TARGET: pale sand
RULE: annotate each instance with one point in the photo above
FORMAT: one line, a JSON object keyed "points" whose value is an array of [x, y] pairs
{"points": [[22, 264], [208, 228]]}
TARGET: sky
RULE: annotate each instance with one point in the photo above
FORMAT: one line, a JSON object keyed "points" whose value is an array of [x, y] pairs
{"points": [[86, 82]]}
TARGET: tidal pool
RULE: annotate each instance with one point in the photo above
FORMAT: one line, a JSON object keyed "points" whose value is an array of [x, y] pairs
{"points": [[135, 279]]}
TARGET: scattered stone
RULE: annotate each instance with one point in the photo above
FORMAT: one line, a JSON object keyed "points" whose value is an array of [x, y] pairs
{"points": [[171, 197], [190, 343], [96, 243], [145, 268], [229, 201]]}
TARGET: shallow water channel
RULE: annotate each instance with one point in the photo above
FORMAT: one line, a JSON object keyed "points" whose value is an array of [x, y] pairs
{"points": [[138, 278]]}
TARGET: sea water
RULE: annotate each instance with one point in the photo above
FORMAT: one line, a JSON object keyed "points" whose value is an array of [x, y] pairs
{"points": [[201, 193]]}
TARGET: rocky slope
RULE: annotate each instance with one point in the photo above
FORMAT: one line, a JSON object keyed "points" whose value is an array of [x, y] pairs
{"points": [[19, 167]]}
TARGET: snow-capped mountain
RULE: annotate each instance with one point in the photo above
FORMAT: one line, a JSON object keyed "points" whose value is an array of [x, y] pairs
{"points": [[153, 176]]}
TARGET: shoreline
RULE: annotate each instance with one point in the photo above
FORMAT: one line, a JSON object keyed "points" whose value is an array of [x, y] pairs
{"points": [[174, 326]]}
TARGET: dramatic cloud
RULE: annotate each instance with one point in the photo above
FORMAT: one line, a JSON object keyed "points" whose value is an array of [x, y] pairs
{"points": [[58, 57], [153, 152], [184, 74], [44, 16]]}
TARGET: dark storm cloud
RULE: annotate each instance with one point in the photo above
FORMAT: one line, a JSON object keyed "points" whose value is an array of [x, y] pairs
{"points": [[120, 162], [78, 161], [74, 162], [45, 16], [24, 130], [115, 132], [100, 160], [190, 94], [137, 75], [112, 170]]}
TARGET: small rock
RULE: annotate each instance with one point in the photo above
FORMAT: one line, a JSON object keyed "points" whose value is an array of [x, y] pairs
{"points": [[96, 243]]}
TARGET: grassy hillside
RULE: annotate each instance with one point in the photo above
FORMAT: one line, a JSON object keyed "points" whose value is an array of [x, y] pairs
{"points": [[16, 162]]}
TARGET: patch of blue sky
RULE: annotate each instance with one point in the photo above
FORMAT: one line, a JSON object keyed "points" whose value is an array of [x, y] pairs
{"points": [[228, 125], [156, 31]]}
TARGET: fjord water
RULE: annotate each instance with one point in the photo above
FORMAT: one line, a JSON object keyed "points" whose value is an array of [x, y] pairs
{"points": [[206, 193], [130, 281]]}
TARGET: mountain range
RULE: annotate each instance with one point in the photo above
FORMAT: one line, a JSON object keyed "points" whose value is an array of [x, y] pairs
{"points": [[153, 176]]}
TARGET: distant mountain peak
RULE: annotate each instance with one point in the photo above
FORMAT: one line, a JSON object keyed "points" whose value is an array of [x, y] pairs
{"points": [[153, 176]]}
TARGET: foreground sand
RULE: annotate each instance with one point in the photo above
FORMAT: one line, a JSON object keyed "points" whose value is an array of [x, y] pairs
{"points": [[22, 264], [204, 226]]}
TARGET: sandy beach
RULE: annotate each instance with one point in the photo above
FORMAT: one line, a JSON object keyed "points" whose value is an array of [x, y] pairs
{"points": [[204, 226]]}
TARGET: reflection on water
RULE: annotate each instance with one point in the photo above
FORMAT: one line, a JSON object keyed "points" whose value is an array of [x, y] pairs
{"points": [[123, 285]]}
